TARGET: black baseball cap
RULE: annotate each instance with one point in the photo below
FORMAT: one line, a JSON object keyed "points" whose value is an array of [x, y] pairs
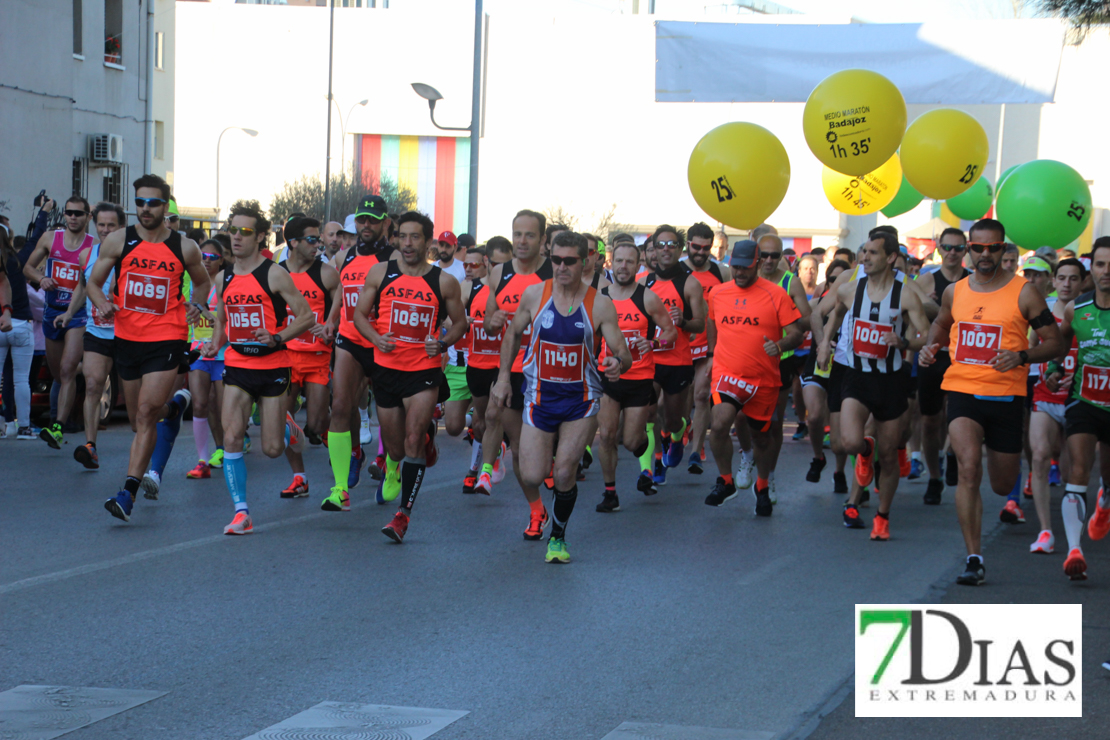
{"points": [[466, 240], [372, 206], [744, 253]]}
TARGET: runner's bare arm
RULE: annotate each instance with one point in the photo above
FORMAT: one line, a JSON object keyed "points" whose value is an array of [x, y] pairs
{"points": [[31, 269], [281, 282], [366, 299], [501, 391], [110, 250], [839, 309], [661, 316], [792, 336], [927, 284], [620, 358], [330, 325], [914, 308], [726, 273], [695, 298], [938, 330], [798, 294], [194, 265], [453, 307], [337, 260], [1067, 334], [495, 318], [211, 348], [1033, 307]]}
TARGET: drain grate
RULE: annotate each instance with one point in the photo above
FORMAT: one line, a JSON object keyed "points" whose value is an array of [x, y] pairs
{"points": [[333, 720], [45, 712], [652, 731]]}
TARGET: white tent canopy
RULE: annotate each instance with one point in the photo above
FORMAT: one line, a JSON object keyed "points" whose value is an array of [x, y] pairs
{"points": [[964, 63]]}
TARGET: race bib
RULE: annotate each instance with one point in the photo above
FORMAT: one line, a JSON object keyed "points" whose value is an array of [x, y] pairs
{"points": [[976, 344], [411, 322], [147, 293], [740, 389], [65, 274], [630, 337], [806, 345], [308, 339], [242, 321], [660, 345], [561, 363], [484, 344], [867, 340], [202, 329], [99, 320], [1096, 385], [350, 300]]}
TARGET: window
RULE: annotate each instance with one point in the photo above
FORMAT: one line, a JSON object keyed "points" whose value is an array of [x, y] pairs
{"points": [[80, 177], [78, 6], [159, 50], [113, 31], [114, 178], [159, 140]]}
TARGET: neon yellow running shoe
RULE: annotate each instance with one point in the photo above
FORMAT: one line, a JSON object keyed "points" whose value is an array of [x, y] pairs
{"points": [[337, 500], [391, 489], [217, 459], [557, 551]]}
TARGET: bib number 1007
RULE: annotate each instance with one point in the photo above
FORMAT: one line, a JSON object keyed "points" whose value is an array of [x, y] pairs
{"points": [[977, 344]]}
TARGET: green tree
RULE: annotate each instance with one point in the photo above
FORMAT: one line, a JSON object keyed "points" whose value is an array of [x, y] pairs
{"points": [[1082, 13], [306, 195]]}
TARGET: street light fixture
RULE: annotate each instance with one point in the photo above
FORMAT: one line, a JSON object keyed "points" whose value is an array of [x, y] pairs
{"points": [[249, 132], [343, 149], [432, 95]]}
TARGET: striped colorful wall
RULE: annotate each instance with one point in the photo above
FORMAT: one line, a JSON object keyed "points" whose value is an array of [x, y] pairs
{"points": [[436, 168]]}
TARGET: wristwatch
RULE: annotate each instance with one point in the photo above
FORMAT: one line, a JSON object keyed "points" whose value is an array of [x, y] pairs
{"points": [[278, 341], [442, 346], [1024, 357]]}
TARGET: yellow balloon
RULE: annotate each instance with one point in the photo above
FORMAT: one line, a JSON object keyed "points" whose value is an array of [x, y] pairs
{"points": [[738, 174], [859, 196], [854, 121], [943, 153]]}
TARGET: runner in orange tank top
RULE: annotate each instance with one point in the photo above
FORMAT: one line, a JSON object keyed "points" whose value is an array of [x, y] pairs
{"points": [[412, 299], [255, 297], [150, 261], [985, 320]]}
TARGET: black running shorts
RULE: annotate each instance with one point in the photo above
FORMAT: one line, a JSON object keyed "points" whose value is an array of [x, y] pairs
{"points": [[392, 387], [256, 382], [364, 355], [630, 393], [1001, 420], [136, 359], [884, 394], [1081, 417]]}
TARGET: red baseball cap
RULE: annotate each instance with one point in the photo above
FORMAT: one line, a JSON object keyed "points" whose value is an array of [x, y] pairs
{"points": [[450, 238]]}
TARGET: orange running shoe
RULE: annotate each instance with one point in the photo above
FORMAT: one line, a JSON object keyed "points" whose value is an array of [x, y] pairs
{"points": [[536, 524], [880, 529], [1076, 565], [1012, 513], [865, 467], [296, 434], [297, 489], [1028, 491], [241, 524], [86, 455], [397, 528], [1099, 523], [202, 470], [549, 481], [903, 462]]}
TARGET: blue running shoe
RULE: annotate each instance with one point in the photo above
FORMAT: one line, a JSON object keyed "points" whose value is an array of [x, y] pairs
{"points": [[246, 443], [916, 469], [672, 456], [803, 430], [645, 484], [1054, 475], [378, 497], [695, 464], [120, 506], [356, 468], [660, 477]]}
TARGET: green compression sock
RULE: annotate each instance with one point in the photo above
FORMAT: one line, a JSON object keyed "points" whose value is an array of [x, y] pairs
{"points": [[647, 459], [339, 452]]}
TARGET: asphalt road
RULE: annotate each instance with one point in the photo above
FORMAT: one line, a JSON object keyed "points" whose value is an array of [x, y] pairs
{"points": [[671, 612]]}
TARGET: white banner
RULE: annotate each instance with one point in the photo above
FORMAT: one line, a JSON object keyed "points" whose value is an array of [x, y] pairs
{"points": [[965, 63]]}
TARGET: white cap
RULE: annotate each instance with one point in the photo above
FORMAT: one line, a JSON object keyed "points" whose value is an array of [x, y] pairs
{"points": [[349, 225]]}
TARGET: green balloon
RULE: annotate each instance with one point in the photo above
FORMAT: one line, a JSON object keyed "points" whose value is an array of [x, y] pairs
{"points": [[906, 200], [973, 203], [1002, 178], [1044, 203]]}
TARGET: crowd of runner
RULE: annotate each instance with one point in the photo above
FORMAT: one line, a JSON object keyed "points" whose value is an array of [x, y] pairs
{"points": [[550, 348]]}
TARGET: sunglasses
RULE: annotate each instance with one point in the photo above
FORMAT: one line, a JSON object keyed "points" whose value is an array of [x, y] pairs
{"points": [[770, 255], [366, 219], [666, 245], [993, 248], [171, 217], [150, 202], [210, 257], [699, 247], [952, 247], [568, 261], [76, 214], [244, 230], [313, 240]]}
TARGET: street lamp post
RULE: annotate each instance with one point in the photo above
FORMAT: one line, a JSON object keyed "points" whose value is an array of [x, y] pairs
{"points": [[343, 129], [250, 132], [430, 94]]}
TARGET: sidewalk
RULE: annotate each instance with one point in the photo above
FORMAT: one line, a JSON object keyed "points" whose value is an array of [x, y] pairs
{"points": [[1014, 576]]}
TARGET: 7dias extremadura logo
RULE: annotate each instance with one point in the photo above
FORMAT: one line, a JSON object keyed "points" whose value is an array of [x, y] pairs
{"points": [[969, 660]]}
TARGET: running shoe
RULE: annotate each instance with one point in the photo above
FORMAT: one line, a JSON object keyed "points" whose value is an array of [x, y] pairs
{"points": [[695, 466], [802, 433], [852, 518], [609, 503], [313, 436], [240, 524], [815, 468], [431, 449], [743, 475], [377, 467], [337, 500], [827, 441], [557, 551], [500, 463], [880, 529], [1099, 523], [470, 481], [437, 412], [365, 436], [86, 455], [217, 459], [379, 493], [246, 443], [549, 481], [1046, 543], [865, 466], [772, 490], [933, 492], [840, 482], [587, 458], [672, 456], [1027, 492], [297, 489], [52, 436], [904, 466], [952, 475], [974, 573], [536, 524], [25, 433], [396, 529], [468, 435], [660, 475], [645, 484], [255, 419], [355, 470], [202, 470], [763, 505], [151, 484], [484, 485], [391, 485], [8, 429], [1054, 474], [120, 505], [917, 469], [1075, 567], [296, 434], [1012, 513], [720, 493]]}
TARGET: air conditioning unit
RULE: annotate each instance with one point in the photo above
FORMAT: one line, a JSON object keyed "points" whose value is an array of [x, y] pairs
{"points": [[105, 148]]}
